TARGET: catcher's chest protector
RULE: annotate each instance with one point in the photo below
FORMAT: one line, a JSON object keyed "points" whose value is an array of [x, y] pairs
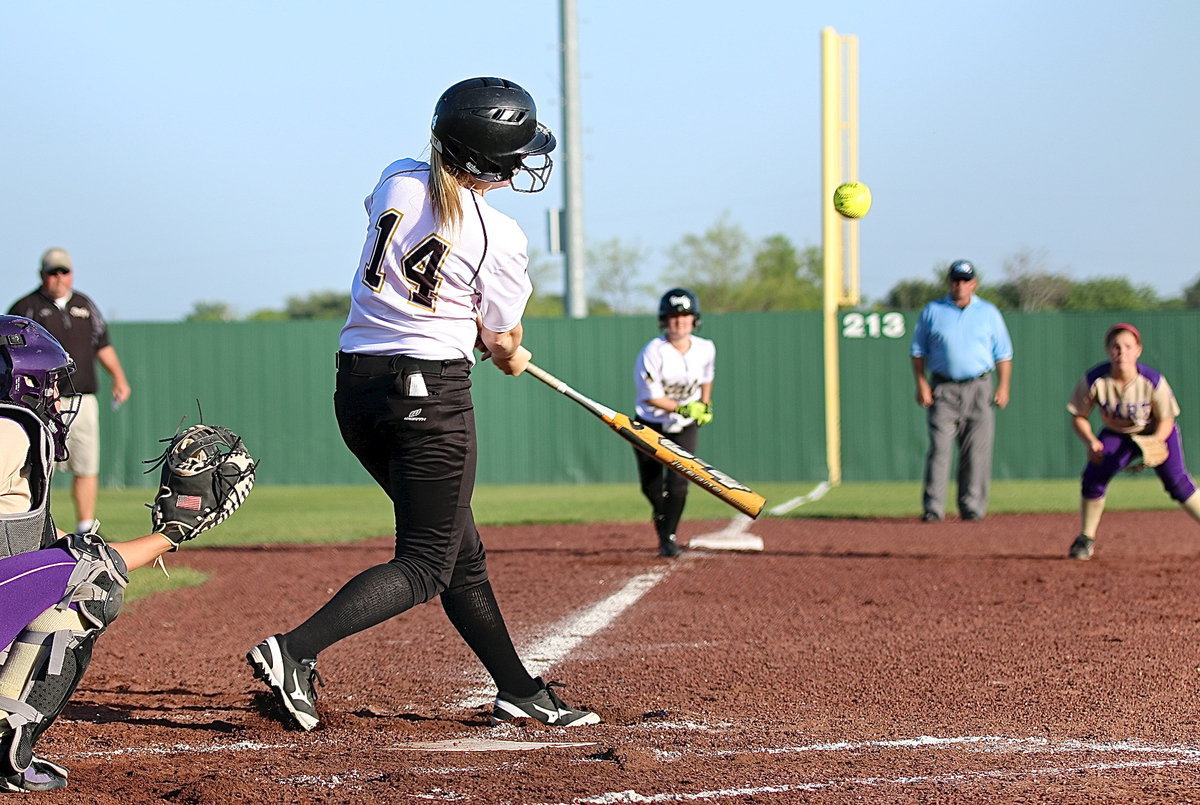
{"points": [[29, 531]]}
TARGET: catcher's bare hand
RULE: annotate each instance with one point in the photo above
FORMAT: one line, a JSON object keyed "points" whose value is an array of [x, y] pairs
{"points": [[206, 475]]}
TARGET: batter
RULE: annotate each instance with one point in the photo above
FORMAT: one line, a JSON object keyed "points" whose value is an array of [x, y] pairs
{"points": [[441, 272]]}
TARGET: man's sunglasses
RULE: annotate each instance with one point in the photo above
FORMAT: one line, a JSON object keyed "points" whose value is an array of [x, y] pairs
{"points": [[54, 272]]}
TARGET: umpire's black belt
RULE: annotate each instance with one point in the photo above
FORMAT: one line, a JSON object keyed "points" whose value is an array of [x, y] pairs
{"points": [[940, 379], [363, 364]]}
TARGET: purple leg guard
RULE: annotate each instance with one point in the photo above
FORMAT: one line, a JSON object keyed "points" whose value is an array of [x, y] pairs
{"points": [[31, 583]]}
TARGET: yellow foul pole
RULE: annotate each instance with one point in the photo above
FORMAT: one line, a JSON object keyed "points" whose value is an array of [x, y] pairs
{"points": [[839, 150]]}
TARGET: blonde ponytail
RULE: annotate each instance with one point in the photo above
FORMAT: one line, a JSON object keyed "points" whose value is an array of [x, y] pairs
{"points": [[445, 193]]}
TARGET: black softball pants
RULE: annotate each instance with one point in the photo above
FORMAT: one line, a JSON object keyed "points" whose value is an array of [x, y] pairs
{"points": [[421, 450], [666, 490]]}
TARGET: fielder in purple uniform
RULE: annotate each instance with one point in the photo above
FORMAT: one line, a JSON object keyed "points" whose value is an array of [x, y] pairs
{"points": [[58, 592], [1133, 399]]}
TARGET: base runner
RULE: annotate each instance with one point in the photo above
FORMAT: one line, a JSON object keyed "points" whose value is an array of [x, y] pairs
{"points": [[673, 376]]}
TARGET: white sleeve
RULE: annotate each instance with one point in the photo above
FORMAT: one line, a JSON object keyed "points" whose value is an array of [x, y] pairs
{"points": [[710, 366], [504, 285], [648, 374]]}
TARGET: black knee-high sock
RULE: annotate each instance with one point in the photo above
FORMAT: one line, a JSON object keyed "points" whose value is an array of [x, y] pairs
{"points": [[476, 616], [371, 597]]}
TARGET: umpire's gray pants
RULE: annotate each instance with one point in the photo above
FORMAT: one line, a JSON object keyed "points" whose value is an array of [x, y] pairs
{"points": [[960, 412]]}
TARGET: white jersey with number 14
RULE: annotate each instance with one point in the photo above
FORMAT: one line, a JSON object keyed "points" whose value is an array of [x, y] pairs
{"points": [[418, 291]]}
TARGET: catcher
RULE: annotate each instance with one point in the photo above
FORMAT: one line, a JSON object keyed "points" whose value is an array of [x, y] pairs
{"points": [[1138, 410], [59, 592]]}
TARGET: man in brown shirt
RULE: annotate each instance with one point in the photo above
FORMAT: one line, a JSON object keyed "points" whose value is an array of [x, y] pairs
{"points": [[74, 320]]}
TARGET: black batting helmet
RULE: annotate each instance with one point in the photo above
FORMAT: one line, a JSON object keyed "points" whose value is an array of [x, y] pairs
{"points": [[678, 302], [488, 127]]}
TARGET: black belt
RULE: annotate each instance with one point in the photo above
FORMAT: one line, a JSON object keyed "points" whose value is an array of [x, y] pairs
{"points": [[361, 363], [939, 379]]}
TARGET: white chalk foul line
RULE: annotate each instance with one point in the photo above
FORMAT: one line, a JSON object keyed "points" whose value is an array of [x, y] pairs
{"points": [[796, 502], [978, 743], [174, 749], [1186, 756], [616, 797], [736, 535], [566, 635]]}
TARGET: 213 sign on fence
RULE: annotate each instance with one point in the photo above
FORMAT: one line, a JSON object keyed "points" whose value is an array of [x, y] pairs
{"points": [[873, 325]]}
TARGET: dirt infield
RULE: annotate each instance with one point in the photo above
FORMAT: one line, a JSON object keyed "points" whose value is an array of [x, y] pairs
{"points": [[851, 661]]}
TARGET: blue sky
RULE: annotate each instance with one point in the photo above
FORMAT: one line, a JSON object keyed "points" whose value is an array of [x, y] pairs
{"points": [[221, 150]]}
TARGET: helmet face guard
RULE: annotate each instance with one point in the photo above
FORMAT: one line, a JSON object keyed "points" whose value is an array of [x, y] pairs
{"points": [[35, 366], [536, 165], [488, 127]]}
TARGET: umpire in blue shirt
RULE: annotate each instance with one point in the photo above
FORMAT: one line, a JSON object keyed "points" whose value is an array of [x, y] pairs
{"points": [[960, 341]]}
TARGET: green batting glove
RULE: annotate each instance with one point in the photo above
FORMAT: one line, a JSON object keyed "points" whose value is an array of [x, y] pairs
{"points": [[698, 411]]}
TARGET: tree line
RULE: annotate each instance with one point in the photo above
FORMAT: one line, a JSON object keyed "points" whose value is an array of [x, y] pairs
{"points": [[730, 271]]}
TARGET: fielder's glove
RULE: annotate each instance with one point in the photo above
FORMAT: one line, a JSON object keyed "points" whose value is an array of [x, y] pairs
{"points": [[1154, 451], [206, 475], [699, 411]]}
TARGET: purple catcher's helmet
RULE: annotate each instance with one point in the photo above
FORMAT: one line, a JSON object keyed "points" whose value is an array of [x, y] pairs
{"points": [[34, 364]]}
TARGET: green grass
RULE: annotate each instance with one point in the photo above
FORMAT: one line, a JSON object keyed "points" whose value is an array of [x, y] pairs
{"points": [[1007, 497], [150, 580]]}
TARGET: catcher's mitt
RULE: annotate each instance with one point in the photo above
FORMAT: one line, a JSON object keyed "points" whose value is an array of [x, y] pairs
{"points": [[206, 474], [1154, 451]]}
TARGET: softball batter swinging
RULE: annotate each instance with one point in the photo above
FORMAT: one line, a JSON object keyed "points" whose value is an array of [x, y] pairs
{"points": [[1135, 402], [441, 270], [673, 376]]}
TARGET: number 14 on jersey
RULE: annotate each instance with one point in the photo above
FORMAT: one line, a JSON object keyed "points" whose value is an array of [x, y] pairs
{"points": [[420, 266]]}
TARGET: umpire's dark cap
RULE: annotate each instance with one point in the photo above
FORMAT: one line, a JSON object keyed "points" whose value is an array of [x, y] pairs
{"points": [[962, 270]]}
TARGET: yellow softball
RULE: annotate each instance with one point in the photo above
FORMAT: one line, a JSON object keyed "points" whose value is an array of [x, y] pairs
{"points": [[852, 199]]}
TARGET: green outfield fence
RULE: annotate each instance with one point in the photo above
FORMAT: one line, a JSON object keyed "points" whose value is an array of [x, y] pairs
{"points": [[273, 383]]}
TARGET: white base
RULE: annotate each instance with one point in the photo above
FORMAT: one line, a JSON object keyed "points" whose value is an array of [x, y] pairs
{"points": [[726, 542], [734, 537]]}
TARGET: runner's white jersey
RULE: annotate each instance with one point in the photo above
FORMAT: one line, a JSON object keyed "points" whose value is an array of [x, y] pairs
{"points": [[663, 371], [418, 291]]}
